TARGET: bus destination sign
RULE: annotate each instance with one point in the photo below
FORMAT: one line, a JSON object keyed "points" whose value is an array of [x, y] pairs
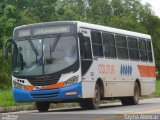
{"points": [[52, 29], [25, 32]]}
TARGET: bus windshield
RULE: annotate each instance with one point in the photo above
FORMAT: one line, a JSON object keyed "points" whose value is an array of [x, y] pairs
{"points": [[43, 56]]}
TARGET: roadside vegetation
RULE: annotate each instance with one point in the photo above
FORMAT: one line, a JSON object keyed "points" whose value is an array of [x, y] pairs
{"points": [[6, 98], [157, 92], [125, 14]]}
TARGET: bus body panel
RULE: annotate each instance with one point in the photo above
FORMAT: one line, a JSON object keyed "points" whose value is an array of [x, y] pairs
{"points": [[54, 95], [41, 93], [88, 88], [147, 87], [115, 83], [118, 75]]}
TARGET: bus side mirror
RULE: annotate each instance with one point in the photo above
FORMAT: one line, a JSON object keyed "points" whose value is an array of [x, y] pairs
{"points": [[6, 49]]}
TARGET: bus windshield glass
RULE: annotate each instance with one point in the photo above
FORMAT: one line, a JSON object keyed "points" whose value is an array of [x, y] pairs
{"points": [[43, 56]]}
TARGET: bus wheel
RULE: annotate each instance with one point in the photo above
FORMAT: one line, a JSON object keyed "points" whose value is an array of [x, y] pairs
{"points": [[91, 103], [94, 102], [134, 100], [42, 106]]}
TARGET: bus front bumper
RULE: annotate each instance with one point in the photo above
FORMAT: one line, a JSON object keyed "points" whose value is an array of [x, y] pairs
{"points": [[53, 95]]}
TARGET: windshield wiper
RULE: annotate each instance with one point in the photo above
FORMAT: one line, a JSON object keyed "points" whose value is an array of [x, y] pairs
{"points": [[54, 44], [33, 47]]}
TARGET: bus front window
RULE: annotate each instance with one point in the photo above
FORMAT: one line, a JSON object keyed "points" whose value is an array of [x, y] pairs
{"points": [[43, 56], [61, 55], [25, 60]]}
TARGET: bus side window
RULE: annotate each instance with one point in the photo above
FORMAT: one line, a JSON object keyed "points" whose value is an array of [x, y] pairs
{"points": [[97, 44], [109, 45], [121, 44], [149, 49], [143, 50], [133, 48], [86, 48]]}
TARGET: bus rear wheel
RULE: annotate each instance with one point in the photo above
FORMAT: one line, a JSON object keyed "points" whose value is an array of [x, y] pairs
{"points": [[134, 100], [42, 106], [92, 103]]}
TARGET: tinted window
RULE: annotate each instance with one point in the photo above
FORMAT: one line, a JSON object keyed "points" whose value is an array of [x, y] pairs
{"points": [[149, 45], [132, 43], [121, 44], [110, 51], [122, 53], [97, 50], [109, 45], [86, 49], [97, 43], [143, 50], [121, 41], [149, 49], [133, 54], [150, 56], [133, 48], [143, 55], [96, 37], [108, 39], [142, 44]]}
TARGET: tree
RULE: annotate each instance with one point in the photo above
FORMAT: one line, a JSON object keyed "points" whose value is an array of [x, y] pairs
{"points": [[124, 14]]}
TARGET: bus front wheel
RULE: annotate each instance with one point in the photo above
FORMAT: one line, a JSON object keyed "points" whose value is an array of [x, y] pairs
{"points": [[96, 100], [134, 100], [92, 103], [42, 106]]}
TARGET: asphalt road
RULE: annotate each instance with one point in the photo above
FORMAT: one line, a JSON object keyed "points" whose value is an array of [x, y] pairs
{"points": [[148, 109]]}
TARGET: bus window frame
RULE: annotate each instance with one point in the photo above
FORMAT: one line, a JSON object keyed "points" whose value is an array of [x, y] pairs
{"points": [[108, 57], [120, 47], [130, 48], [97, 44]]}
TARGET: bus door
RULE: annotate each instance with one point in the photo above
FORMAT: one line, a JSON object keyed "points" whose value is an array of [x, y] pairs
{"points": [[85, 50]]}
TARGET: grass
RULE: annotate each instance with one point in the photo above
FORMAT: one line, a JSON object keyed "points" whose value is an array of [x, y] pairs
{"points": [[157, 92], [6, 97]]}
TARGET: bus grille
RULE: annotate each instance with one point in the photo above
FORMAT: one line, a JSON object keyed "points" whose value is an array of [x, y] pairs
{"points": [[40, 95], [43, 81]]}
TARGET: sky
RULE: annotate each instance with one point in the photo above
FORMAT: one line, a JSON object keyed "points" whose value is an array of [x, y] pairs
{"points": [[155, 5]]}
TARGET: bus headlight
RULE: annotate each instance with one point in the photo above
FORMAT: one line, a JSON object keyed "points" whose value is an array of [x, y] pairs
{"points": [[71, 81], [18, 85]]}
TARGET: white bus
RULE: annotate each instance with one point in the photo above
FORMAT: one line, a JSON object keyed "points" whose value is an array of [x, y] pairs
{"points": [[80, 62]]}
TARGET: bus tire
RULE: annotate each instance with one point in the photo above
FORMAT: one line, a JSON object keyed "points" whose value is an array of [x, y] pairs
{"points": [[42, 106], [134, 100], [96, 100], [91, 103]]}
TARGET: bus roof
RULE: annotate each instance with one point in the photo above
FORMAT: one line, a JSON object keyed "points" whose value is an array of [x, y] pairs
{"points": [[95, 27], [113, 30]]}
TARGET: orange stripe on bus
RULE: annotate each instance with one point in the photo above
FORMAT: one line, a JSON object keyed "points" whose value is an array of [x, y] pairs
{"points": [[29, 87], [147, 71], [54, 86], [58, 85]]}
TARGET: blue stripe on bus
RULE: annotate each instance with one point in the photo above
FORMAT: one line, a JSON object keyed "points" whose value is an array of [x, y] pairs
{"points": [[48, 95]]}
